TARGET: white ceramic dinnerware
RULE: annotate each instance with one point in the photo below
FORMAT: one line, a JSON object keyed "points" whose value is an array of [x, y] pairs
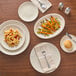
{"points": [[55, 54], [27, 11], [65, 37], [24, 42], [38, 23], [8, 25]]}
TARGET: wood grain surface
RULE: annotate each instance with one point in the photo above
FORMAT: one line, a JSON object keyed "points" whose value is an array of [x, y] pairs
{"points": [[20, 65]]}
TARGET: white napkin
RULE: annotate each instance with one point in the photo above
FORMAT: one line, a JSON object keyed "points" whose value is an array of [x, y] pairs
{"points": [[41, 58], [46, 2]]}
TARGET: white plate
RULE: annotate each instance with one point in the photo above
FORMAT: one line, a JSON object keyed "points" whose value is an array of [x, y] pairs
{"points": [[25, 44], [28, 11], [55, 53], [38, 23], [14, 25], [62, 44]]}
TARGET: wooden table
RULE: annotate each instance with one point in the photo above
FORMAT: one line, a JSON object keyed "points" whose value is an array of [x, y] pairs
{"points": [[20, 65]]}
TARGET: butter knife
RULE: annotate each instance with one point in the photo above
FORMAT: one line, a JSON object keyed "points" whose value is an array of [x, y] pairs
{"points": [[70, 37]]}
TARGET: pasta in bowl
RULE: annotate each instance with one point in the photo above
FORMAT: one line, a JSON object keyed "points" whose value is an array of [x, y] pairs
{"points": [[12, 37]]}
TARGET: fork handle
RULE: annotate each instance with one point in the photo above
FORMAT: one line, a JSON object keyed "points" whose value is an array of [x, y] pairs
{"points": [[39, 2], [47, 62]]}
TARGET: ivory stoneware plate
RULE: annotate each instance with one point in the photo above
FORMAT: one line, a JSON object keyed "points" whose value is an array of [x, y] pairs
{"points": [[12, 25], [55, 53], [38, 25], [27, 11], [24, 42], [73, 44]]}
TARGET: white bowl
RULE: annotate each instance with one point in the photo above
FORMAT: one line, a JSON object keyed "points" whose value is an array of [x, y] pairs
{"points": [[14, 26], [25, 42], [38, 23], [27, 11], [54, 52]]}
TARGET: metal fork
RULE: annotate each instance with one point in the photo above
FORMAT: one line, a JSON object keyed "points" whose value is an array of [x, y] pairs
{"points": [[43, 6], [44, 54]]}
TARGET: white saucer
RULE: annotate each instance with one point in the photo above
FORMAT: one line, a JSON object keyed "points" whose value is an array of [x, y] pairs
{"points": [[25, 44], [28, 11], [54, 51], [62, 44]]}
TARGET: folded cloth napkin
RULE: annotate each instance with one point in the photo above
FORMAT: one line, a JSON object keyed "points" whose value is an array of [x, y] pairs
{"points": [[46, 2], [42, 60]]}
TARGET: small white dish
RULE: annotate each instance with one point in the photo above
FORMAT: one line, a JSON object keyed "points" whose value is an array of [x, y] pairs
{"points": [[26, 35], [38, 23], [27, 11], [55, 53], [65, 37]]}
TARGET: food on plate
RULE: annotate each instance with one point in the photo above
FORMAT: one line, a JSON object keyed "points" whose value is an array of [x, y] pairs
{"points": [[12, 37], [49, 26], [68, 44]]}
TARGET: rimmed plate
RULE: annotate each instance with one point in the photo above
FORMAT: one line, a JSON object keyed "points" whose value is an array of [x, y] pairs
{"points": [[25, 44], [55, 53], [12, 24], [38, 23], [27, 11], [62, 44]]}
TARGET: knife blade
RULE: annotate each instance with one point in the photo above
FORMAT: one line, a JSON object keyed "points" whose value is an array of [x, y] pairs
{"points": [[70, 37]]}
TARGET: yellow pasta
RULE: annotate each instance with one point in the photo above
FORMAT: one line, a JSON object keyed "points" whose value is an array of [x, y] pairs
{"points": [[12, 37]]}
